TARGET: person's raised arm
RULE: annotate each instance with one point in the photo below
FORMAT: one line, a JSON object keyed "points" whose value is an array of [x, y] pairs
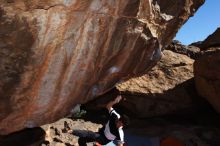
{"points": [[112, 103]]}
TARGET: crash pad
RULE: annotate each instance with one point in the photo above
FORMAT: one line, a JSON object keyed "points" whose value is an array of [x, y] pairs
{"points": [[132, 140]]}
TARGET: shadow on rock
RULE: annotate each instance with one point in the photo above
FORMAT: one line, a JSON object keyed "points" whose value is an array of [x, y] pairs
{"points": [[27, 137]]}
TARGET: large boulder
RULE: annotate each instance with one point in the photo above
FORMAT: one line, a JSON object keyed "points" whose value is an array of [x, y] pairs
{"points": [[167, 89], [55, 54], [207, 77], [207, 70]]}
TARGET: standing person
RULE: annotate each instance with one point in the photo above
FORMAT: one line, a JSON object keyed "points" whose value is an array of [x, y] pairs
{"points": [[113, 130]]}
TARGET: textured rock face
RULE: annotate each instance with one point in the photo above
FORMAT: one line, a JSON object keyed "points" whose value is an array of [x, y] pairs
{"points": [[207, 77], [55, 54], [191, 51], [167, 89]]}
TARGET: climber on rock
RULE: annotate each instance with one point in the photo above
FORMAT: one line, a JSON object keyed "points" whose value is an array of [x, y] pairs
{"points": [[112, 131]]}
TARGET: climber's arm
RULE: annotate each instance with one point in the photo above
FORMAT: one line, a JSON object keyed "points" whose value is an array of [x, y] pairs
{"points": [[112, 103]]}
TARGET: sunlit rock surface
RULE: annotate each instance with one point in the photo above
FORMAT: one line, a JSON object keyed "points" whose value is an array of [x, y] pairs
{"points": [[166, 89], [55, 54]]}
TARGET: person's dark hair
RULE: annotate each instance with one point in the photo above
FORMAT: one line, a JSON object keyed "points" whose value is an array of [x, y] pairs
{"points": [[125, 120]]}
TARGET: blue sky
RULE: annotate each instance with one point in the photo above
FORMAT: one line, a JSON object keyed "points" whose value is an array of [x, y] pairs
{"points": [[203, 23]]}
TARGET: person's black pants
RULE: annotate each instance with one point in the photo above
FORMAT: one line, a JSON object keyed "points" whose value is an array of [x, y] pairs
{"points": [[101, 139]]}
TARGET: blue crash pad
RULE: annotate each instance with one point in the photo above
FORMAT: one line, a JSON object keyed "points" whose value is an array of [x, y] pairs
{"points": [[132, 140]]}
